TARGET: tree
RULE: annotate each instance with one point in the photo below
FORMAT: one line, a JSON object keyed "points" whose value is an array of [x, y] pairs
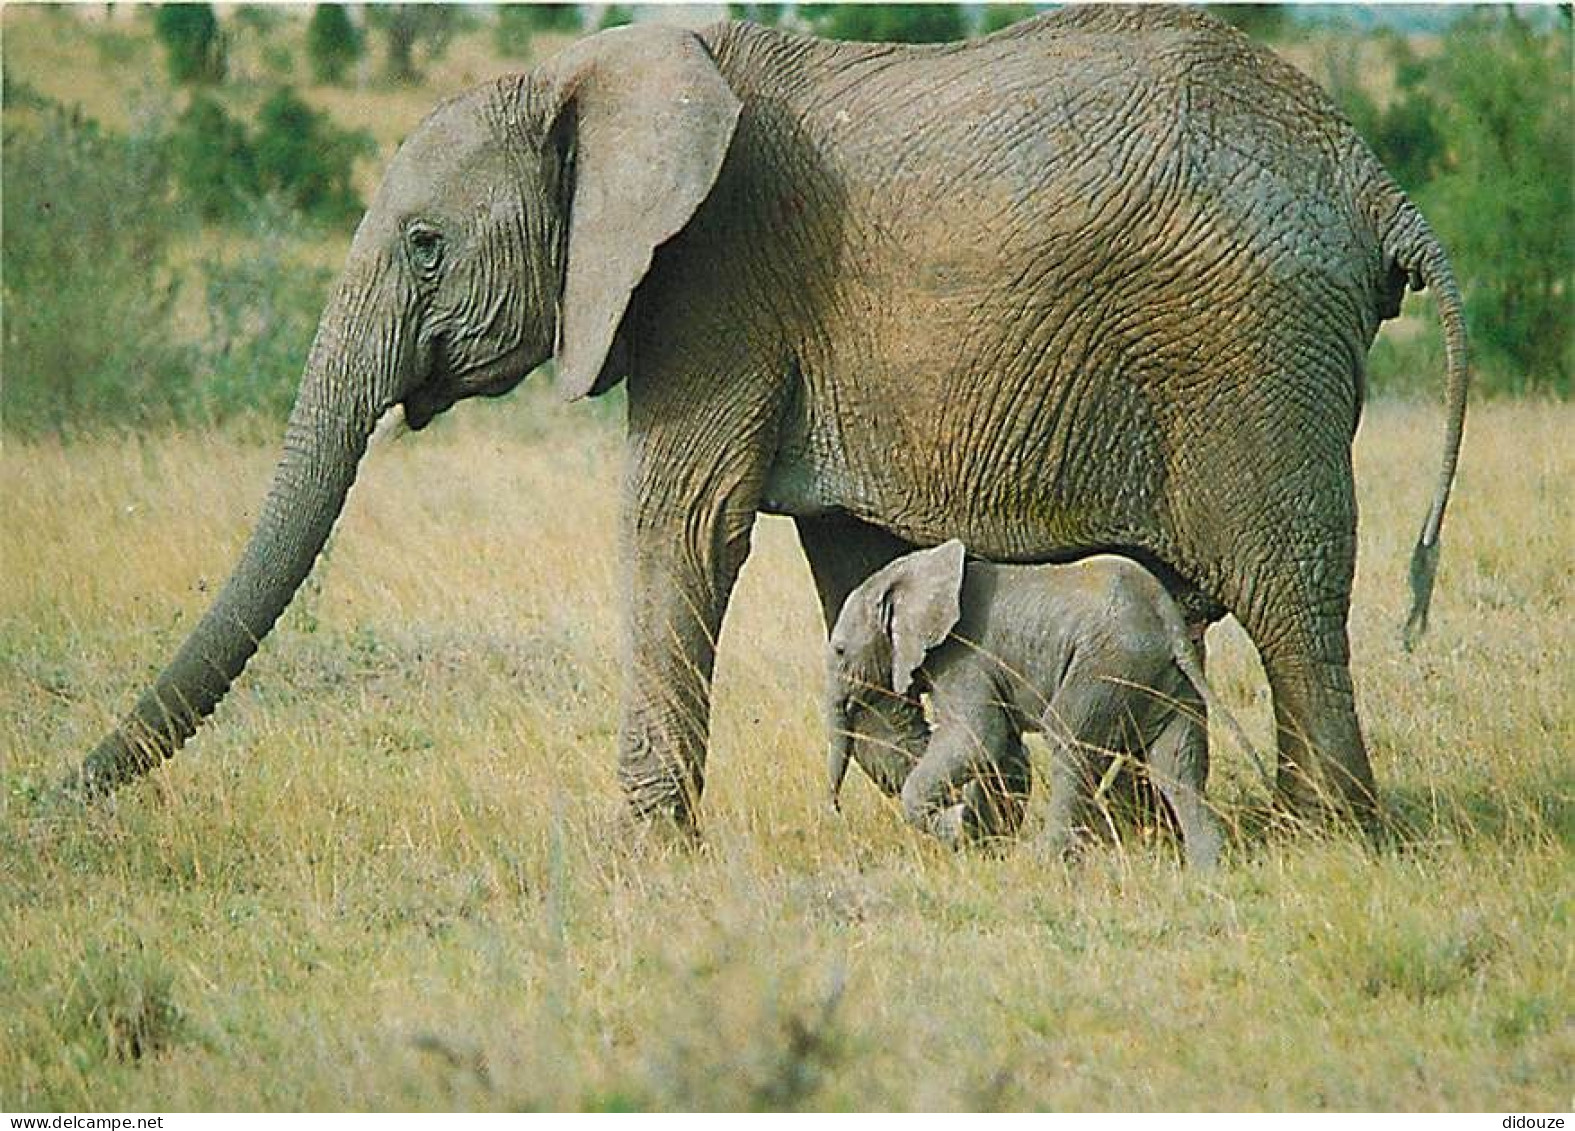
{"points": [[306, 159], [406, 27], [1404, 133], [1503, 195], [193, 44], [212, 160], [886, 23], [519, 24], [333, 43]]}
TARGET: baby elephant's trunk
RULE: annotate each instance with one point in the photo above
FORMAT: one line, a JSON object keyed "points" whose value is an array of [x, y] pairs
{"points": [[838, 752]]}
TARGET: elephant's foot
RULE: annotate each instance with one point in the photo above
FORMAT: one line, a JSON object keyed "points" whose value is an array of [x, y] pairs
{"points": [[655, 832], [661, 803], [1328, 786], [1204, 842], [949, 826]]}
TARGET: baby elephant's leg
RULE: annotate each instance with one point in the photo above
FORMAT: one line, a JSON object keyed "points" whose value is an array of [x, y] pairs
{"points": [[961, 751], [1179, 765], [1075, 820], [996, 801], [1083, 724]]}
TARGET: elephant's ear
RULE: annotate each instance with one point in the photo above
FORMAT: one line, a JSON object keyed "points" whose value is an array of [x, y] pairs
{"points": [[649, 118], [924, 601]]}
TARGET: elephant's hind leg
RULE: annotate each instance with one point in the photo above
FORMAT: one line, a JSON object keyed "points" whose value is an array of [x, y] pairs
{"points": [[1295, 609], [1179, 765], [1084, 726]]}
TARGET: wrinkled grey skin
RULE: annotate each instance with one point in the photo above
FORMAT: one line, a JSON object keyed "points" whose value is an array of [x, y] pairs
{"points": [[1105, 280], [1094, 654]]}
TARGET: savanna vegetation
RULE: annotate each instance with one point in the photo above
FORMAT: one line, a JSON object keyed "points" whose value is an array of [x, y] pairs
{"points": [[384, 877]]}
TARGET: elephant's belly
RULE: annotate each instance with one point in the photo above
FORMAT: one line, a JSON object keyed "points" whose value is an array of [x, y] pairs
{"points": [[796, 486]]}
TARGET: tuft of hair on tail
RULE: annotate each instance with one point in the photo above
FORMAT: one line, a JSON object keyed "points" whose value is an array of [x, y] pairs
{"points": [[1424, 567]]}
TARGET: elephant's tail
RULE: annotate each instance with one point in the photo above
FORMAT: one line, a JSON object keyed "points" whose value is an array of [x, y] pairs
{"points": [[1412, 246]]}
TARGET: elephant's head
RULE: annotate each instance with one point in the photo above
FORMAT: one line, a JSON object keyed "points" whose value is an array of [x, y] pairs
{"points": [[514, 224], [886, 628]]}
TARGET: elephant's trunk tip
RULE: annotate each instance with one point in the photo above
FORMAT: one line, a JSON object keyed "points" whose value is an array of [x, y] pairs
{"points": [[837, 762]]}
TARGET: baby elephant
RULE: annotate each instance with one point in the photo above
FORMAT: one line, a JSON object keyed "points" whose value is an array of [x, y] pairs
{"points": [[1094, 654]]}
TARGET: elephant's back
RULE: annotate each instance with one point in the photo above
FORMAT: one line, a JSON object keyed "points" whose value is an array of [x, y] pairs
{"points": [[1160, 128], [1103, 599]]}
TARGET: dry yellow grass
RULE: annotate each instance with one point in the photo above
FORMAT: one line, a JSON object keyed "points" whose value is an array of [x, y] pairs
{"points": [[384, 876]]}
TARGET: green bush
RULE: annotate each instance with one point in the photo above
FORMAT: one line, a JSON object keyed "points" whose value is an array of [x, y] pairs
{"points": [[212, 160], [88, 289], [306, 159], [767, 15], [886, 23], [406, 27], [262, 309], [1506, 105], [1266, 22], [193, 44], [519, 24], [614, 15], [1480, 137], [332, 43], [998, 16], [91, 282]]}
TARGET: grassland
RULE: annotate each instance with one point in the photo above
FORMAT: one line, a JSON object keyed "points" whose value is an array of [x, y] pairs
{"points": [[385, 877]]}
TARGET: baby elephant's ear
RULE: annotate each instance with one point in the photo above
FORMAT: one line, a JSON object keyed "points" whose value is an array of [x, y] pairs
{"points": [[925, 599]]}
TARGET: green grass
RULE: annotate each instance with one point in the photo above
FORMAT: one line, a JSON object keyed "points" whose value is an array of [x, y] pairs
{"points": [[389, 874]]}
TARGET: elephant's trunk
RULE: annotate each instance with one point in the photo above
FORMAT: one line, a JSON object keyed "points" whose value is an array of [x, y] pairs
{"points": [[838, 752], [351, 379], [886, 739]]}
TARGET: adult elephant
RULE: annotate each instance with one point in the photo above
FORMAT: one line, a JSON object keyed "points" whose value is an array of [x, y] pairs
{"points": [[1103, 281]]}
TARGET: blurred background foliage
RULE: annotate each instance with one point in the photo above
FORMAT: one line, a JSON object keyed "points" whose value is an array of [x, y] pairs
{"points": [[180, 181]]}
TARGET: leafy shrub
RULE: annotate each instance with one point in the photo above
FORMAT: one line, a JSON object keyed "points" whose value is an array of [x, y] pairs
{"points": [[193, 44], [333, 43], [998, 16], [212, 160], [767, 15], [614, 15], [88, 289], [886, 23], [408, 26], [518, 24], [1506, 104], [306, 159], [1266, 22], [91, 283], [278, 62], [1480, 137], [262, 309]]}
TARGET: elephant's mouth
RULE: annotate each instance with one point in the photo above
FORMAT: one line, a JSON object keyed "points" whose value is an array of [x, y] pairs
{"points": [[440, 394], [424, 404]]}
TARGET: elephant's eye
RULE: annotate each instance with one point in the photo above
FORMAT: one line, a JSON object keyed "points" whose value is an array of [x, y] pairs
{"points": [[426, 247]]}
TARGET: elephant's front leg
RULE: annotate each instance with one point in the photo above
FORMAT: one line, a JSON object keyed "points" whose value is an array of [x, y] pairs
{"points": [[968, 746], [686, 535], [998, 798]]}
